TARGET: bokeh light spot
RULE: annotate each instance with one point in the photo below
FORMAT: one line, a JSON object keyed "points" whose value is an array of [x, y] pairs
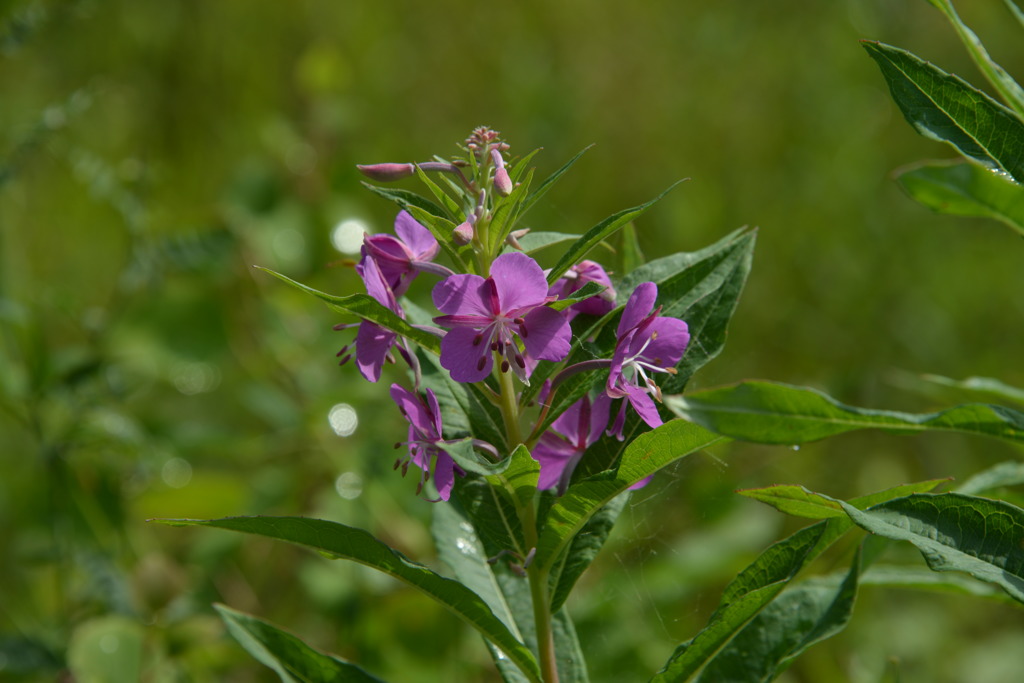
{"points": [[347, 236], [176, 473], [348, 485], [343, 419]]}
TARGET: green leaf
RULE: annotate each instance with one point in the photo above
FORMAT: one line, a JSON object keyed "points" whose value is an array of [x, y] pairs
{"points": [[367, 308], [459, 547], [452, 209], [993, 388], [1004, 474], [507, 214], [437, 220], [288, 656], [584, 548], [543, 188], [766, 412], [521, 476], [799, 502], [585, 292], [643, 457], [996, 75], [1015, 10], [340, 541], [944, 107], [955, 532], [800, 617], [467, 457], [507, 594], [965, 189], [532, 242], [599, 232], [918, 578], [632, 255]]}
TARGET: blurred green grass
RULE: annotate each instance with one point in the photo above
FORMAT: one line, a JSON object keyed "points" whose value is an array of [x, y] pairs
{"points": [[151, 152]]}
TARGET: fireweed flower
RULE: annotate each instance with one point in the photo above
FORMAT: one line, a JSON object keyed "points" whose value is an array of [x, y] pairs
{"points": [[424, 438], [647, 343], [373, 342], [401, 258], [575, 278], [577, 429], [485, 316]]}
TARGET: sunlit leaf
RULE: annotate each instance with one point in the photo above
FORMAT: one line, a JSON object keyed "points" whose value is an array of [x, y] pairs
{"points": [[766, 412], [367, 308], [289, 657], [944, 107], [643, 457], [799, 502], [606, 228], [955, 532], [965, 189], [340, 541]]}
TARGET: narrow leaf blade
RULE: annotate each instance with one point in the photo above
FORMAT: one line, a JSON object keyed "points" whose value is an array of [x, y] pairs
{"points": [[360, 546]]}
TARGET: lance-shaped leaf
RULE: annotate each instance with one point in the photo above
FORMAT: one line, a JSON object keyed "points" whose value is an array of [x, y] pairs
{"points": [[766, 412], [290, 658], [606, 228], [1004, 474], [800, 617], [965, 189], [758, 585], [919, 578], [466, 552], [996, 75], [799, 502], [543, 188], [955, 532], [944, 107], [646, 455], [367, 308], [338, 540], [993, 389]]}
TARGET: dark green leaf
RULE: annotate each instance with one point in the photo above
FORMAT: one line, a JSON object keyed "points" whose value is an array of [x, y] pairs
{"points": [[766, 412], [584, 548], [646, 455], [996, 75], [338, 540], [288, 656], [452, 209], [467, 457], [367, 308], [802, 616], [955, 532], [944, 107], [965, 189], [606, 228], [585, 292]]}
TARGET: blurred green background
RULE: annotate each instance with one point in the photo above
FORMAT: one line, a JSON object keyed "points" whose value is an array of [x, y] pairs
{"points": [[151, 151]]}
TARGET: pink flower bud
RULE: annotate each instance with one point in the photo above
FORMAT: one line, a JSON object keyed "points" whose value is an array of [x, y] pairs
{"points": [[502, 182], [385, 173], [463, 232]]}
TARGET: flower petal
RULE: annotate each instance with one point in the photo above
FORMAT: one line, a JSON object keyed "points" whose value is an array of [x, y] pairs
{"points": [[644, 406], [372, 345], [444, 474], [640, 303], [549, 336], [554, 454], [421, 243], [462, 358], [462, 294], [670, 337], [519, 280]]}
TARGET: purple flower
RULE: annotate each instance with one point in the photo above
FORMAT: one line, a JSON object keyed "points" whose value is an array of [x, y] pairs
{"points": [[577, 429], [575, 278], [487, 314], [424, 436], [401, 258], [373, 342], [647, 343]]}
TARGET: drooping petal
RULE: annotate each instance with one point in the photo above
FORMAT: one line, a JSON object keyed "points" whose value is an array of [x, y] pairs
{"points": [[413, 409], [600, 409], [568, 423], [467, 362], [372, 345], [435, 412], [554, 454], [444, 474], [644, 405], [549, 336], [421, 243], [519, 280], [464, 294], [376, 285], [640, 303]]}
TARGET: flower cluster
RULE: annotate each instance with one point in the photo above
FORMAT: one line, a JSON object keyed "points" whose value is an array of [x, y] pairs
{"points": [[500, 317]]}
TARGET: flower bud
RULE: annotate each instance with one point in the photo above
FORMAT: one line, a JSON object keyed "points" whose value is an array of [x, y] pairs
{"points": [[385, 173], [502, 182], [463, 232]]}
